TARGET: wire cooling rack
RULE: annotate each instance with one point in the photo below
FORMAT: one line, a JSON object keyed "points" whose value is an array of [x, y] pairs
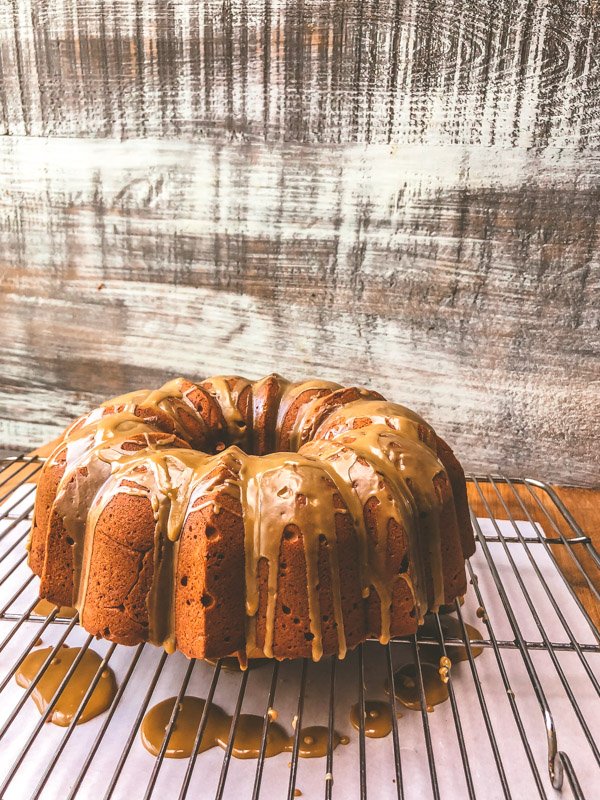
{"points": [[522, 719]]}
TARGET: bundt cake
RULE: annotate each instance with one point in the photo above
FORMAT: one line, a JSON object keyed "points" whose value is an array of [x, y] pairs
{"points": [[259, 518]]}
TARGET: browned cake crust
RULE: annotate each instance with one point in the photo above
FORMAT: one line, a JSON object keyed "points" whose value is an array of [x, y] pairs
{"points": [[209, 606], [456, 476], [44, 499], [121, 570], [266, 396], [268, 518]]}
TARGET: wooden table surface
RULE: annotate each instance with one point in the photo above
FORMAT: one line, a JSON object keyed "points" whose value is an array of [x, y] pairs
{"points": [[584, 505]]}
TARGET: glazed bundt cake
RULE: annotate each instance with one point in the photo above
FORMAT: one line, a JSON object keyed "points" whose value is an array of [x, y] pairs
{"points": [[258, 518]]}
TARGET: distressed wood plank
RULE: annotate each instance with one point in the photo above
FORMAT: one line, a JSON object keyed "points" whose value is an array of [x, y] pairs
{"points": [[440, 278], [444, 71]]}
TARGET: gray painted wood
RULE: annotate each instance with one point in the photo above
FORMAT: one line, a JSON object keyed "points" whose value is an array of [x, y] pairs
{"points": [[402, 194]]}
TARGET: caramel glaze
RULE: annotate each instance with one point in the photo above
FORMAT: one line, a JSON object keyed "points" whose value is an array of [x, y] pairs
{"points": [[248, 735], [73, 693], [184, 733], [435, 666], [43, 607], [378, 718], [139, 444], [451, 629], [313, 741], [407, 687]]}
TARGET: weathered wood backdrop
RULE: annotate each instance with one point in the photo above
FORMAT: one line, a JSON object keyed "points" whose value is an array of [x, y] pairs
{"points": [[402, 193]]}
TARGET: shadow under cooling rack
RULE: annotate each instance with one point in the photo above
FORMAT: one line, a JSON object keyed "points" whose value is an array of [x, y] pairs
{"points": [[522, 719]]}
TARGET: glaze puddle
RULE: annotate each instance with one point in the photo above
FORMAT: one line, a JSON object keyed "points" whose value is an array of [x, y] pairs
{"points": [[73, 693], [248, 735]]}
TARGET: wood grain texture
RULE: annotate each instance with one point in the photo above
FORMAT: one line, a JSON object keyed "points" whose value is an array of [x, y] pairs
{"points": [[402, 194], [584, 506], [517, 72], [15, 474]]}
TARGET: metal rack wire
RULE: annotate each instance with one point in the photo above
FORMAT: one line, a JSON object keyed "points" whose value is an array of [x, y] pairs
{"points": [[526, 666]]}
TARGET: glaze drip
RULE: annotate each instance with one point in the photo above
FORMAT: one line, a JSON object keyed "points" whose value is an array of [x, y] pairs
{"points": [[227, 390], [280, 492]]}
